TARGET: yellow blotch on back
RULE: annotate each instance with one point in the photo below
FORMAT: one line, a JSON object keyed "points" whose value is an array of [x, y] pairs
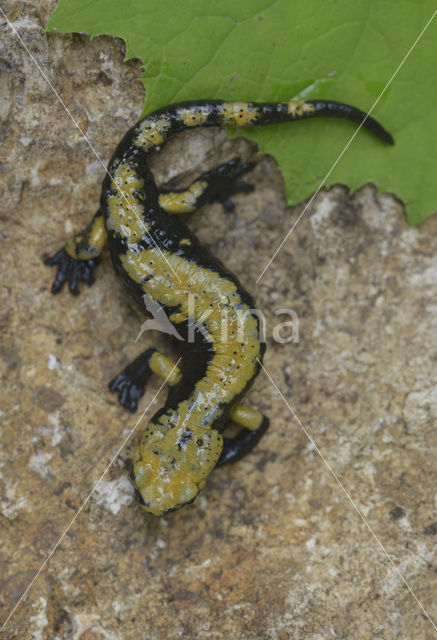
{"points": [[194, 117], [152, 131], [125, 210], [239, 114], [298, 108]]}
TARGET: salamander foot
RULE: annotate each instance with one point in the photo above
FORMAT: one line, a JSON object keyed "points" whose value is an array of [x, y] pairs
{"points": [[129, 390], [131, 382], [224, 182], [70, 270]]}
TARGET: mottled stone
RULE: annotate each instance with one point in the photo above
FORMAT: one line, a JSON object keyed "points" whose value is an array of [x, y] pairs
{"points": [[273, 548]]}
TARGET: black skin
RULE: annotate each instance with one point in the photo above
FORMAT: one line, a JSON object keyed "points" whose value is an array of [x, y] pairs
{"points": [[130, 383], [166, 232]]}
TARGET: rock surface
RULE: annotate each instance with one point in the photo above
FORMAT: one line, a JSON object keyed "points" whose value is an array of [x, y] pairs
{"points": [[273, 548]]}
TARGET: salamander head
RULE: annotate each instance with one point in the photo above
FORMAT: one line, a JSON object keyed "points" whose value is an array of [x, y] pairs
{"points": [[172, 463]]}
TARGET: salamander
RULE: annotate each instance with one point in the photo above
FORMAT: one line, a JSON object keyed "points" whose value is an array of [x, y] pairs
{"points": [[159, 258]]}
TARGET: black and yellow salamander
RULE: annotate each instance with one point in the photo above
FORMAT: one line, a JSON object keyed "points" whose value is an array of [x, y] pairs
{"points": [[160, 259]]}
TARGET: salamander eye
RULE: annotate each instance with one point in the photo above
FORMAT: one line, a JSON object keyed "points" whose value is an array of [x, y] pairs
{"points": [[199, 442]]}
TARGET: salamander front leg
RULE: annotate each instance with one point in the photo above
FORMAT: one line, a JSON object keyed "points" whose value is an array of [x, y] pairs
{"points": [[131, 382], [255, 425], [77, 259], [217, 185]]}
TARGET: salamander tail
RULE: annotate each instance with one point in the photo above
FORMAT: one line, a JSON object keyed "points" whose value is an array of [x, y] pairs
{"points": [[157, 127], [301, 109], [340, 110]]}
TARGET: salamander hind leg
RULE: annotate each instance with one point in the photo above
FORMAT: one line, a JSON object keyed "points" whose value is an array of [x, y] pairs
{"points": [[255, 425], [77, 259], [131, 382], [217, 185]]}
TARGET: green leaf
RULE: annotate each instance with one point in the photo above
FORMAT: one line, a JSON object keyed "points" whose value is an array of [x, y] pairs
{"points": [[270, 50]]}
